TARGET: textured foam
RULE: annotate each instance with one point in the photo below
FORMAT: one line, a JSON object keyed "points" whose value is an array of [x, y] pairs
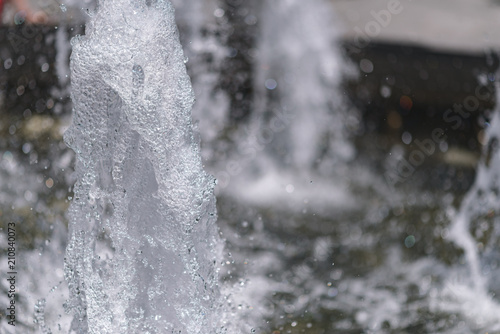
{"points": [[143, 242]]}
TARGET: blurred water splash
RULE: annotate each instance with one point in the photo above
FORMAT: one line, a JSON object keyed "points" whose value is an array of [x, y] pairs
{"points": [[203, 43], [474, 229], [295, 143]]}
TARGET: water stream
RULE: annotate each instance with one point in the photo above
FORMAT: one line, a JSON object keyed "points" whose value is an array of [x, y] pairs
{"points": [[143, 246], [474, 229]]}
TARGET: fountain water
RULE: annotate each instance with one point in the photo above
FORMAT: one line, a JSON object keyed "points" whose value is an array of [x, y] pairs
{"points": [[298, 73], [142, 234], [205, 52], [297, 129], [143, 242], [289, 154], [477, 219]]}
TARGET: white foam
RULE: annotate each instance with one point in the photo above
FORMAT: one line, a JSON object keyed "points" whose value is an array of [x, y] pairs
{"points": [[143, 243]]}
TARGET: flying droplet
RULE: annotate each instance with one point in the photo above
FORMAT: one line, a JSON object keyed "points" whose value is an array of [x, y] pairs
{"points": [[271, 84]]}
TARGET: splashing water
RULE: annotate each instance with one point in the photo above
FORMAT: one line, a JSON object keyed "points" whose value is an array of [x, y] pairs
{"points": [[297, 130], [204, 56], [478, 212], [143, 246], [299, 71], [135, 262]]}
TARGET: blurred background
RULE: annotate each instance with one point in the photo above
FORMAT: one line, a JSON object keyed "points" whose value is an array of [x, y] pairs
{"points": [[343, 134]]}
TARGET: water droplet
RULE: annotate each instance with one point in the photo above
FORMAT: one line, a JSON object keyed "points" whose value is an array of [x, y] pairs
{"points": [[219, 12], [366, 66], [406, 138], [385, 91], [7, 63], [271, 84], [410, 241]]}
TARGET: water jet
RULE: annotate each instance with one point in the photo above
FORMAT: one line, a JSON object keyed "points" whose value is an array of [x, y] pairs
{"points": [[143, 245]]}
